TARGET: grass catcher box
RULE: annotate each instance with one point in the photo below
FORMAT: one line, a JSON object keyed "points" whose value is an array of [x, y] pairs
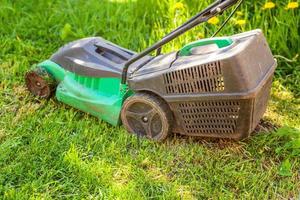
{"points": [[217, 93]]}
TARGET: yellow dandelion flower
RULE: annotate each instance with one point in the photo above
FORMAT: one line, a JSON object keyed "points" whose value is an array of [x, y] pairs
{"points": [[269, 5], [201, 35], [213, 20], [241, 22], [292, 5], [178, 6], [239, 13]]}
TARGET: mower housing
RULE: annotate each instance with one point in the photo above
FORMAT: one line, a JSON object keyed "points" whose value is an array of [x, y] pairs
{"points": [[213, 92]]}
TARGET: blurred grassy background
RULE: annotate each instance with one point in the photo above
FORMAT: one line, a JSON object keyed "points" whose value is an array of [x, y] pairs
{"points": [[49, 150]]}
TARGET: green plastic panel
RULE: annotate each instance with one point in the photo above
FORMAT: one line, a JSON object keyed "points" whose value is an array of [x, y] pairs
{"points": [[53, 69], [101, 97], [220, 42]]}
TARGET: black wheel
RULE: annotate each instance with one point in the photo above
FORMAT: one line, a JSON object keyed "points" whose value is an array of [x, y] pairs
{"points": [[39, 83], [148, 116]]}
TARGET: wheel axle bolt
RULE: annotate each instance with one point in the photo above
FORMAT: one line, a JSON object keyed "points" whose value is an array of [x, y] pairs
{"points": [[145, 119]]}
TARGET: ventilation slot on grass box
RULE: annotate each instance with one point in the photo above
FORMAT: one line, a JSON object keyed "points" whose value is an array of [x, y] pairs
{"points": [[197, 79], [219, 117]]}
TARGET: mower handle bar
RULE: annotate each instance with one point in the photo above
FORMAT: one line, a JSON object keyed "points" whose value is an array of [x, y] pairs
{"points": [[221, 4], [212, 10]]}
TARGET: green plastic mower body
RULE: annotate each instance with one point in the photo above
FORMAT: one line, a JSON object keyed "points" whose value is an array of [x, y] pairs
{"points": [[101, 97]]}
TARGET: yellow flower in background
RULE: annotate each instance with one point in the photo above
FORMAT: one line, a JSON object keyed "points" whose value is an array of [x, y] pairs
{"points": [[241, 22], [178, 6], [292, 5], [269, 5], [213, 20], [200, 36], [239, 13]]}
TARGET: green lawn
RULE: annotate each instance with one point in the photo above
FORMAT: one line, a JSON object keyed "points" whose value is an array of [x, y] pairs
{"points": [[51, 151]]}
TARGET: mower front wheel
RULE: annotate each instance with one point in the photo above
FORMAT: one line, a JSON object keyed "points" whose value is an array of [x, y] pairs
{"points": [[40, 83], [148, 116]]}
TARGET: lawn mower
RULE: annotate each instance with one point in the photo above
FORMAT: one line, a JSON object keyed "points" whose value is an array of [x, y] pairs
{"points": [[215, 87]]}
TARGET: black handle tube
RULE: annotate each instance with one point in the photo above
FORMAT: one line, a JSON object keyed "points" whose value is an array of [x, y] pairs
{"points": [[191, 19], [152, 48], [196, 16], [203, 16]]}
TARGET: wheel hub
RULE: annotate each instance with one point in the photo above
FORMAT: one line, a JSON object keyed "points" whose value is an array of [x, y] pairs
{"points": [[145, 119], [142, 118], [146, 115], [38, 84]]}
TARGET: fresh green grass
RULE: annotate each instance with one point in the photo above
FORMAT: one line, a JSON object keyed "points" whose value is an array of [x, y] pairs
{"points": [[49, 150]]}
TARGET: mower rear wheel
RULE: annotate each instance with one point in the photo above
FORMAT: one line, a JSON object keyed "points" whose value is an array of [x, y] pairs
{"points": [[40, 83], [148, 116]]}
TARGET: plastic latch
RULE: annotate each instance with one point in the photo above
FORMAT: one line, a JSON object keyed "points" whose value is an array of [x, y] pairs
{"points": [[220, 42]]}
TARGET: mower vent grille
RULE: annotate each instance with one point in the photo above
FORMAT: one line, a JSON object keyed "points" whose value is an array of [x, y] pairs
{"points": [[217, 117], [197, 79]]}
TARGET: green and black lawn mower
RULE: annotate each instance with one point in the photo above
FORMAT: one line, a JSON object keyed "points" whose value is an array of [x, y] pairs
{"points": [[215, 87]]}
